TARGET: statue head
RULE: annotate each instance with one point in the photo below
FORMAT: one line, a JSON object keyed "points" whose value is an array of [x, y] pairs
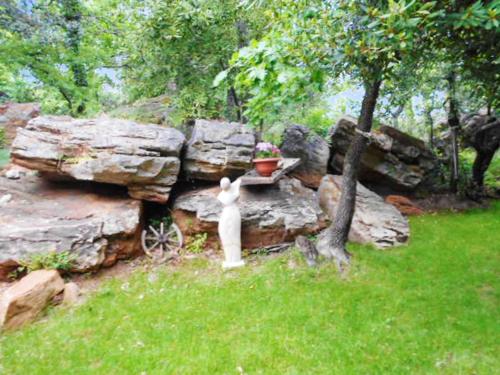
{"points": [[225, 184]]}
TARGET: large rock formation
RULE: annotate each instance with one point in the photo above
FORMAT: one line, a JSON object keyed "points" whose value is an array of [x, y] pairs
{"points": [[374, 221], [218, 149], [313, 151], [23, 301], [270, 214], [145, 158], [482, 133], [392, 158], [97, 224], [14, 116]]}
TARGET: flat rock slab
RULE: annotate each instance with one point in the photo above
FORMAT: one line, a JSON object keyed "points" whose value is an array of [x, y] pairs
{"points": [[22, 302], [271, 214], [374, 221], [286, 166], [145, 158], [218, 149], [98, 224]]}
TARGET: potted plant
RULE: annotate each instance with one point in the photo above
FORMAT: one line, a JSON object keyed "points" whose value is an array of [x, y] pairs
{"points": [[267, 157]]}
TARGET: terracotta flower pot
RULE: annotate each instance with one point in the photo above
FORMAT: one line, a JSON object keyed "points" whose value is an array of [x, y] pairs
{"points": [[266, 167]]}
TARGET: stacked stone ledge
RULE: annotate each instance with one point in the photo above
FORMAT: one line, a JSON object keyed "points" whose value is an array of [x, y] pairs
{"points": [[144, 158]]}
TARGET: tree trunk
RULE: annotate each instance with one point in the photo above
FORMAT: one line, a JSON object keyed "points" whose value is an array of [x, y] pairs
{"points": [[480, 166], [430, 124], [233, 103], [453, 124], [307, 248], [73, 17], [335, 237]]}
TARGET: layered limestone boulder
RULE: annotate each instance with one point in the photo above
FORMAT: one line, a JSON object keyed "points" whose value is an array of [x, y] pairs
{"points": [[313, 151], [375, 221], [22, 302], [96, 224], [144, 158], [392, 158], [14, 116], [218, 149], [270, 214]]}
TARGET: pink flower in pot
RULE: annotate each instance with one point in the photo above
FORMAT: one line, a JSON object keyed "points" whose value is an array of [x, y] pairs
{"points": [[267, 157]]}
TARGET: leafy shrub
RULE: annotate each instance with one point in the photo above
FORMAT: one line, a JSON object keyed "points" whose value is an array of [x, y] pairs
{"points": [[318, 120], [465, 171], [492, 175], [196, 244], [62, 261], [2, 137], [156, 222]]}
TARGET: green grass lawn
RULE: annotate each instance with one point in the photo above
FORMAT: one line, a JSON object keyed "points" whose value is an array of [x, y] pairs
{"points": [[4, 157], [492, 175], [430, 307]]}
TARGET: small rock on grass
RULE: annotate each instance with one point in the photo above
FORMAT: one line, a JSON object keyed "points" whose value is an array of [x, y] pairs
{"points": [[71, 293], [22, 302]]}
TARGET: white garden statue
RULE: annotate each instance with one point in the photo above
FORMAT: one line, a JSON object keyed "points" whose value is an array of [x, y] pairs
{"points": [[230, 223]]}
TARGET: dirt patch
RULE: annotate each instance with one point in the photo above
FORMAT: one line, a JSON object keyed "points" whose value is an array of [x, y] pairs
{"points": [[449, 202]]}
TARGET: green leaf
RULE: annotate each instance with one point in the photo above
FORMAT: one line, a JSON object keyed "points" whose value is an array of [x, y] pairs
{"points": [[220, 77]]}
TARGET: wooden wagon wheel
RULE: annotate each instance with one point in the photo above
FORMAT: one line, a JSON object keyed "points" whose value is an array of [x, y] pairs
{"points": [[161, 244]]}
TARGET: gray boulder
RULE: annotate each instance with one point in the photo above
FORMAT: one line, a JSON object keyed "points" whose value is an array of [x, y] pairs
{"points": [[374, 221], [144, 158], [313, 151], [14, 116], [270, 215], [392, 158], [96, 224], [218, 149]]}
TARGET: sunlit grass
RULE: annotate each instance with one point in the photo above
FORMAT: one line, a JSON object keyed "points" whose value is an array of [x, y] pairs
{"points": [[430, 307], [492, 175], [4, 157]]}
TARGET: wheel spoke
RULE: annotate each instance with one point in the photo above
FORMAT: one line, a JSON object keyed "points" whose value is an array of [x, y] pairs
{"points": [[171, 241], [154, 231], [152, 247]]}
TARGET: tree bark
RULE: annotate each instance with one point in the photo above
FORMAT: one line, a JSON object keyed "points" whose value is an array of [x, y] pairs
{"points": [[430, 124], [480, 166], [453, 124], [307, 248], [335, 237], [233, 102], [73, 16]]}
